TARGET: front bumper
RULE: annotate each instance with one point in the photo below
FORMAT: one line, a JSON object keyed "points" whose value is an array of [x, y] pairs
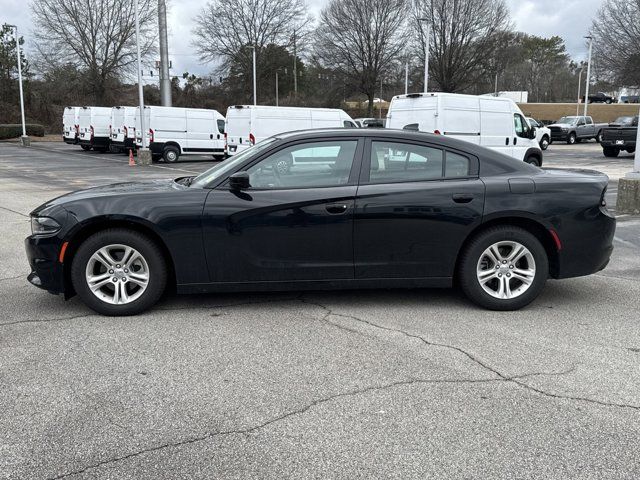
{"points": [[46, 271], [559, 136]]}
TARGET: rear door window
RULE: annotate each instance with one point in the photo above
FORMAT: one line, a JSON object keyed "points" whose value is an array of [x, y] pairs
{"points": [[404, 162]]}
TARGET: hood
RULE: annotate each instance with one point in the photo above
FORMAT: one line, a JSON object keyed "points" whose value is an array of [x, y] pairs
{"points": [[116, 189], [562, 125]]}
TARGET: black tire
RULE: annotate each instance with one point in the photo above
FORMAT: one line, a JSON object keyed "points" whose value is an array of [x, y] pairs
{"points": [[86, 148], [170, 154], [147, 248], [156, 157], [572, 139], [611, 152], [599, 137], [533, 160], [472, 254], [607, 101], [545, 142]]}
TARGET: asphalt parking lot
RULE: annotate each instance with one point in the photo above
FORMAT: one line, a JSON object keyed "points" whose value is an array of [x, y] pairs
{"points": [[367, 384]]}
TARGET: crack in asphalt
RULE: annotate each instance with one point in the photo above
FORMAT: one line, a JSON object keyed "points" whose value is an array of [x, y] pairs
{"points": [[476, 360], [14, 211], [13, 278], [292, 413]]}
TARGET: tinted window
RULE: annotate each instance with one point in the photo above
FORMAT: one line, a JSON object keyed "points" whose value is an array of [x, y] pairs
{"points": [[220, 126], [522, 127], [394, 162], [317, 164], [456, 165], [411, 126], [348, 124]]}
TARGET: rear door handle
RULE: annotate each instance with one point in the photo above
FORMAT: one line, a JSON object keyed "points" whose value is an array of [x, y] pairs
{"points": [[462, 197], [336, 208]]}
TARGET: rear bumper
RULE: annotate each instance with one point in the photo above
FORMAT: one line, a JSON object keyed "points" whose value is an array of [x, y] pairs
{"points": [[70, 141], [96, 142], [612, 143], [126, 144], [46, 271], [587, 244]]}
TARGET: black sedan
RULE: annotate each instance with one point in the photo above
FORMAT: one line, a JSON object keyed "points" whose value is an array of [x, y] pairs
{"points": [[328, 209]]}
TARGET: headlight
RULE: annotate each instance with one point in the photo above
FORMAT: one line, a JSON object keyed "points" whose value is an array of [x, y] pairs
{"points": [[44, 226], [565, 130]]}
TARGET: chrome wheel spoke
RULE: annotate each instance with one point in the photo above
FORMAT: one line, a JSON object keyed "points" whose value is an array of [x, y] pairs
{"points": [[139, 279], [98, 281], [494, 254], [525, 276], [485, 275], [516, 254]]}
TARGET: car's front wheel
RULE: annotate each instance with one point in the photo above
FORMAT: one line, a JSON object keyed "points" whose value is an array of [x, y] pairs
{"points": [[544, 143], [119, 272], [572, 139], [503, 268], [170, 154]]}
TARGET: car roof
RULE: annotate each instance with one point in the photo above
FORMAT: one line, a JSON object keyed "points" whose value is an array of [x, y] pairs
{"points": [[499, 161]]}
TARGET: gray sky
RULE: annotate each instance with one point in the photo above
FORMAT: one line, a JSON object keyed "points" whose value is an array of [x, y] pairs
{"points": [[569, 19]]}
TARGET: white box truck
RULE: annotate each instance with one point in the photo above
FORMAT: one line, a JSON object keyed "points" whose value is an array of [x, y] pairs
{"points": [[494, 122], [172, 132], [123, 128], [93, 128], [70, 125], [247, 125]]}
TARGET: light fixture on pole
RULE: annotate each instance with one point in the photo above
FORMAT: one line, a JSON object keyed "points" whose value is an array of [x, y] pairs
{"points": [[426, 52], [24, 139], [144, 155], [579, 87], [586, 93]]}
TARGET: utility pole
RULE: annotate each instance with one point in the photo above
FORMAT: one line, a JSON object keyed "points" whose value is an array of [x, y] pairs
{"points": [[295, 66], [426, 53], [144, 155], [24, 139], [406, 72], [276, 88], [496, 86], [255, 95], [165, 81], [586, 94]]}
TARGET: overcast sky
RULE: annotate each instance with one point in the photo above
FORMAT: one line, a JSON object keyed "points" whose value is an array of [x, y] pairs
{"points": [[569, 19]]}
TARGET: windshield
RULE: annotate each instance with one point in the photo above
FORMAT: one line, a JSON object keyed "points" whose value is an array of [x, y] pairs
{"points": [[225, 166], [624, 120], [569, 120]]}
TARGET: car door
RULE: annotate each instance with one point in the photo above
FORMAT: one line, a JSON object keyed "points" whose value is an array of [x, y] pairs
{"points": [[295, 222], [202, 129], [521, 140], [416, 204], [582, 128]]}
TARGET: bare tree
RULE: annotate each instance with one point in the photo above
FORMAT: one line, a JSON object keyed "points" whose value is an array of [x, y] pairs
{"points": [[461, 39], [616, 32], [224, 28], [97, 37], [362, 39]]}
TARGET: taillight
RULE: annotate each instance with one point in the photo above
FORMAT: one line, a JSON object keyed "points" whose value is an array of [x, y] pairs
{"points": [[126, 131], [110, 130], [77, 130], [91, 130], [252, 139], [437, 132], [151, 134]]}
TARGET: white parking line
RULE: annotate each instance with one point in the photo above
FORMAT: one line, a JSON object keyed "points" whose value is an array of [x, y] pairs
{"points": [[625, 242]]}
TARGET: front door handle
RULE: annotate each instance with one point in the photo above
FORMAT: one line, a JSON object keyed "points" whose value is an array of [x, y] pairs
{"points": [[336, 208], [515, 140], [462, 197]]}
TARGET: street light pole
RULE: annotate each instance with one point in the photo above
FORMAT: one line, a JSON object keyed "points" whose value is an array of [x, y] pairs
{"points": [[276, 88], [255, 98], [579, 87], [24, 139], [165, 81], [144, 156], [426, 53], [586, 94]]}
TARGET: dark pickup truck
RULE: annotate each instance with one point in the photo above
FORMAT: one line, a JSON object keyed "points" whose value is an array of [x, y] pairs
{"points": [[620, 135], [600, 97]]}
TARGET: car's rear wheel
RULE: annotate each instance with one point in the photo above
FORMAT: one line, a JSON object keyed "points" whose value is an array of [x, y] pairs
{"points": [[119, 272], [503, 268], [572, 139], [610, 152], [85, 147], [533, 160], [170, 154]]}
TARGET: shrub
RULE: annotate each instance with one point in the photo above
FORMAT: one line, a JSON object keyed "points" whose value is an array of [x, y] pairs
{"points": [[14, 130]]}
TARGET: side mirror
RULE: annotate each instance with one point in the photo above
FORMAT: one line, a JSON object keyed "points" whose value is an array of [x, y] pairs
{"points": [[532, 133], [239, 181]]}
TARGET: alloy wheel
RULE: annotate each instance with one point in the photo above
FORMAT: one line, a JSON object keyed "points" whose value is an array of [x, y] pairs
{"points": [[506, 270], [117, 274]]}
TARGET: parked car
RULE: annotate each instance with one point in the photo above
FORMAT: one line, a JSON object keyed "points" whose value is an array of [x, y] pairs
{"points": [[543, 134], [93, 128], [630, 99], [172, 132], [493, 122], [70, 126], [123, 128], [247, 125], [600, 97], [574, 129], [388, 208], [369, 122], [620, 135]]}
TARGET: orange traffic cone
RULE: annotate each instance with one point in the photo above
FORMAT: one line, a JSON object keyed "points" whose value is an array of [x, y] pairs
{"points": [[132, 162]]}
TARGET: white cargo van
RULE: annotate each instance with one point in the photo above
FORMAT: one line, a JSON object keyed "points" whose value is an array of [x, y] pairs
{"points": [[246, 125], [173, 131], [93, 128], [70, 125], [123, 129], [494, 122]]}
